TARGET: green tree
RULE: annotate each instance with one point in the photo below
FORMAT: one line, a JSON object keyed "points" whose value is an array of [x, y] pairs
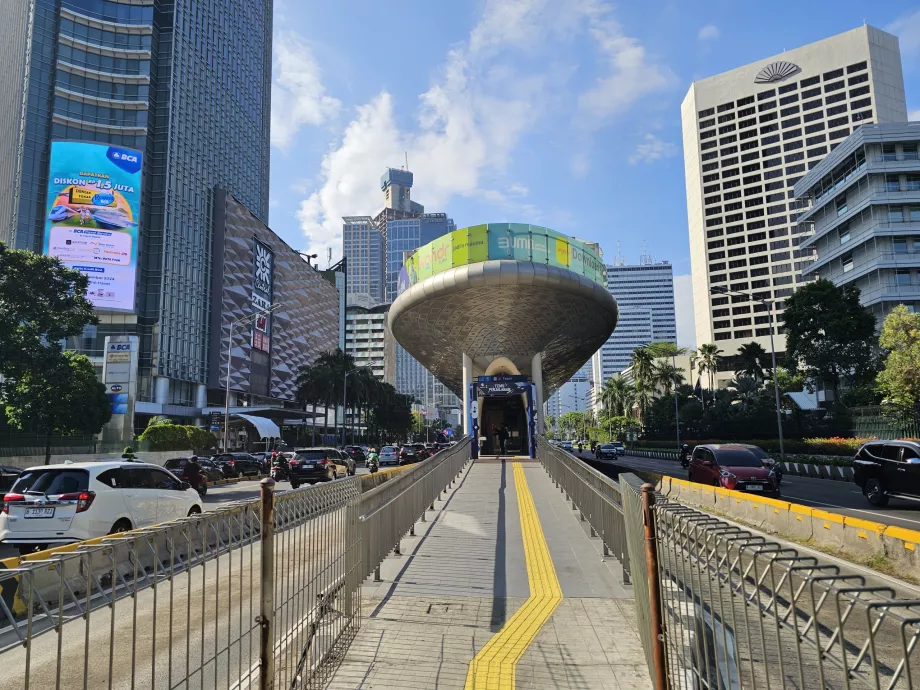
{"points": [[667, 376], [708, 357], [63, 396], [829, 335], [751, 358], [642, 361], [42, 302], [899, 380], [617, 395]]}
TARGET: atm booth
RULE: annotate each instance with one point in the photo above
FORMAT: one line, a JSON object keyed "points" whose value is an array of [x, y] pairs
{"points": [[498, 402]]}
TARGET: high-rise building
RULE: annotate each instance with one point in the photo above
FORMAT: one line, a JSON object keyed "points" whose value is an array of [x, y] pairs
{"points": [[749, 135], [645, 295], [365, 252], [576, 394], [177, 96], [366, 339], [863, 216]]}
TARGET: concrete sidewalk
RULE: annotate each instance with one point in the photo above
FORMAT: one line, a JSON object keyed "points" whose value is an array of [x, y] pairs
{"points": [[466, 573]]}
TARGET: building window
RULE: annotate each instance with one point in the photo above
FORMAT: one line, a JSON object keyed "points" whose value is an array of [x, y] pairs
{"points": [[913, 183], [903, 276], [889, 152], [910, 151], [892, 183], [899, 244], [895, 214], [914, 214], [841, 205], [847, 262], [844, 234]]}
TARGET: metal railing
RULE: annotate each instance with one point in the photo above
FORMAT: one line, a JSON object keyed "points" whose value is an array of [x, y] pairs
{"points": [[738, 610], [597, 497], [257, 594]]}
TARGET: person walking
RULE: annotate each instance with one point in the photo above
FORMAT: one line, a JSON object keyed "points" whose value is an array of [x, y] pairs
{"points": [[503, 438]]}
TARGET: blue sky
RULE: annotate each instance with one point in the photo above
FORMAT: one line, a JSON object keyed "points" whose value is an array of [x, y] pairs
{"points": [[564, 113]]}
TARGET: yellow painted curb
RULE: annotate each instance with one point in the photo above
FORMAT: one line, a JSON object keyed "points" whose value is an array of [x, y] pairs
{"points": [[494, 667]]}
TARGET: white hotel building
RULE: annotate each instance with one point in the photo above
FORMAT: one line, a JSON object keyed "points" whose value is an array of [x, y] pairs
{"points": [[749, 135]]}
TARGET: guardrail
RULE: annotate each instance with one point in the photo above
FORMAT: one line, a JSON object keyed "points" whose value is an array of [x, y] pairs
{"points": [[659, 454], [224, 599], [595, 495], [729, 608]]}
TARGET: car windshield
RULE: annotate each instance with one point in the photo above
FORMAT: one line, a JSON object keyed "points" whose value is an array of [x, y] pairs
{"points": [[737, 458], [310, 455], [608, 446], [387, 449], [175, 462], [51, 482], [759, 452]]}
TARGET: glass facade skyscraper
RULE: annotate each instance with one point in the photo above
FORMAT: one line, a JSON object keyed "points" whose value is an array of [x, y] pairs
{"points": [[187, 83]]}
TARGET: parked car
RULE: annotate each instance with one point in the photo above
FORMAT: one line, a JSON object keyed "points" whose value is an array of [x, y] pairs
{"points": [[413, 452], [177, 467], [888, 469], [732, 466], [52, 505], [768, 461], [357, 454], [389, 455], [237, 464], [607, 451], [312, 465]]}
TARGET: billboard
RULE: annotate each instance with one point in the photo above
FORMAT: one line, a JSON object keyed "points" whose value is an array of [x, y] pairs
{"points": [[91, 221], [263, 288]]}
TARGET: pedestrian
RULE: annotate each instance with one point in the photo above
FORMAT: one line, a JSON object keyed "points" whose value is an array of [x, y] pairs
{"points": [[503, 437]]}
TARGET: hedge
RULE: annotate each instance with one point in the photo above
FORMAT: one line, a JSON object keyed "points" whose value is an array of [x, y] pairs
{"points": [[168, 436], [810, 446]]}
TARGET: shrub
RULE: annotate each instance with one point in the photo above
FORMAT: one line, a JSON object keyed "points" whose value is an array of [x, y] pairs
{"points": [[164, 435]]}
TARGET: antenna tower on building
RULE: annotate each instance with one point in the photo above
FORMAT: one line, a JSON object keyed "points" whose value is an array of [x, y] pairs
{"points": [[646, 258]]}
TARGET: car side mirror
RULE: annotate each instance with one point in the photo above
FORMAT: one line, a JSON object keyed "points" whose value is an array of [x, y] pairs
{"points": [[184, 485]]}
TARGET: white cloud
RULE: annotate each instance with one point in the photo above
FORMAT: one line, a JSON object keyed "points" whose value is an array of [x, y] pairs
{"points": [[683, 307], [710, 32], [298, 96], [907, 29], [630, 75], [914, 115], [652, 149]]}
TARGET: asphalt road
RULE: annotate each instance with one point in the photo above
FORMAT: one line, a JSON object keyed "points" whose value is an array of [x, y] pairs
{"points": [[835, 497]]}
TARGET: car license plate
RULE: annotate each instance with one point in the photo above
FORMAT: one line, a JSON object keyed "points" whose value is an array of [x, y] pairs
{"points": [[308, 465], [755, 487], [39, 513]]}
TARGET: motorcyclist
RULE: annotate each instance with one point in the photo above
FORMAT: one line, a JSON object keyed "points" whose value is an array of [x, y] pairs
{"points": [[192, 472], [373, 460], [685, 455]]}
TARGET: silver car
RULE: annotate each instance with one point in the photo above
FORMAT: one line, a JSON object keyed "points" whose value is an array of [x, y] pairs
{"points": [[389, 455]]}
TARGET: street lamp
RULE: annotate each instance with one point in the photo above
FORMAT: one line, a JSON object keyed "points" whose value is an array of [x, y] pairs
{"points": [[719, 290], [233, 324], [306, 256], [345, 401]]}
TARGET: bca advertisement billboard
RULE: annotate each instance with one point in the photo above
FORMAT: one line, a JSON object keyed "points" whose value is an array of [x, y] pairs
{"points": [[91, 221]]}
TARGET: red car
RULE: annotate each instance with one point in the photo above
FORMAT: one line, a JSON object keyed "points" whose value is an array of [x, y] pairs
{"points": [[732, 466]]}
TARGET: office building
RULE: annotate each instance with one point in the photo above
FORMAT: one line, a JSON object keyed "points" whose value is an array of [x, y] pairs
{"points": [[365, 336], [645, 295], [749, 135], [863, 216], [576, 394], [166, 103], [365, 253]]}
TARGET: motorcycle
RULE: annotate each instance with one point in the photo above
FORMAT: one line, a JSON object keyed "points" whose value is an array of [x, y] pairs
{"points": [[280, 470], [373, 463], [685, 457]]}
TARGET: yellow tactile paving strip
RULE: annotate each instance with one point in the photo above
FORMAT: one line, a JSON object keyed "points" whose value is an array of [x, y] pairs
{"points": [[494, 667]]}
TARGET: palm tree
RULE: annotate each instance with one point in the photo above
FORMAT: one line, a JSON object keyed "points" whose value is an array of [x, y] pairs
{"points": [[668, 376], [644, 395], [617, 395], [642, 361], [744, 389], [751, 355], [708, 360]]}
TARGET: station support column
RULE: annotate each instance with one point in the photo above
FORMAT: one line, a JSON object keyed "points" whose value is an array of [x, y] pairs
{"points": [[536, 373], [467, 380]]}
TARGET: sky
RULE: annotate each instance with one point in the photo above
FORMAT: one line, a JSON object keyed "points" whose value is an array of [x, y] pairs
{"points": [[561, 113]]}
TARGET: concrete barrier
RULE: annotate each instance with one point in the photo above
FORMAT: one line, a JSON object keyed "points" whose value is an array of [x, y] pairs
{"points": [[853, 537]]}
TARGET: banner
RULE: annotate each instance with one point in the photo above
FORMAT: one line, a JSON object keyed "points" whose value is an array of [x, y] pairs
{"points": [[93, 211]]}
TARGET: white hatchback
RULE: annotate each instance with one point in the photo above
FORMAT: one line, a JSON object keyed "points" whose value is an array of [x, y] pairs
{"points": [[52, 505], [389, 455]]}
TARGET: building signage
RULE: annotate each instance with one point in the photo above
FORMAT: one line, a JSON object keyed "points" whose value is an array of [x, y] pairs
{"points": [[263, 284], [502, 388], [92, 216], [776, 71]]}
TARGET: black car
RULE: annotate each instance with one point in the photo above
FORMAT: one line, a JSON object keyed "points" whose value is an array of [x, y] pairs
{"points": [[356, 453], [8, 477], [608, 451], [888, 469], [412, 452], [312, 465], [237, 464], [177, 467]]}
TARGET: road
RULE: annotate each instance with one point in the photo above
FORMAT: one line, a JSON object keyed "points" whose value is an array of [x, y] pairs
{"points": [[835, 497]]}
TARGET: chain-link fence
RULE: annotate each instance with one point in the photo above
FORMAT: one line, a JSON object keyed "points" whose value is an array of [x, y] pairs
{"points": [[199, 602], [738, 610]]}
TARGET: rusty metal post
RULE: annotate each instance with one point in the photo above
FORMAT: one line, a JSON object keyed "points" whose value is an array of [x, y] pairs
{"points": [[654, 589], [267, 585]]}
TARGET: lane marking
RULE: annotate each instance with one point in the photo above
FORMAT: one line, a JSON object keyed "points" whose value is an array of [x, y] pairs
{"points": [[856, 510], [494, 667]]}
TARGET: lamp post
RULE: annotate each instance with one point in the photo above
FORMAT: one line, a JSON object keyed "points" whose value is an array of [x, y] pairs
{"points": [[307, 256], [345, 401], [233, 324], [717, 290]]}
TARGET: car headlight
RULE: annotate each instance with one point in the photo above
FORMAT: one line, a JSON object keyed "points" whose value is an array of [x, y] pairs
{"points": [[725, 474]]}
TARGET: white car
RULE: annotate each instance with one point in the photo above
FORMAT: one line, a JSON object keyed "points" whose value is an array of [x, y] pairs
{"points": [[389, 455], [52, 505]]}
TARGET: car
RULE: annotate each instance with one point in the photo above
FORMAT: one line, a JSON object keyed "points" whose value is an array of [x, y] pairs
{"points": [[51, 505], [567, 446], [313, 465], [357, 453], [8, 477], [767, 460], [349, 460], [389, 455], [732, 466], [237, 464], [888, 469], [177, 467], [264, 459], [607, 451], [412, 452]]}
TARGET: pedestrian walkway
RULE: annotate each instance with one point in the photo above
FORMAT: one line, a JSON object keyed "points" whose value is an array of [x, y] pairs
{"points": [[502, 588]]}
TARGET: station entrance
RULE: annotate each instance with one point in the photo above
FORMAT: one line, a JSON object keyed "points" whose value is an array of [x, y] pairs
{"points": [[502, 415]]}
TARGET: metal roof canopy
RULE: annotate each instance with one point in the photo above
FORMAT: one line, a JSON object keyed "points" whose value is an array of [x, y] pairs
{"points": [[264, 426]]}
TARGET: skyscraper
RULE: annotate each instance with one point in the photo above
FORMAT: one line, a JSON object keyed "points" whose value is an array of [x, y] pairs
{"points": [[645, 296], [365, 252], [749, 135], [181, 90]]}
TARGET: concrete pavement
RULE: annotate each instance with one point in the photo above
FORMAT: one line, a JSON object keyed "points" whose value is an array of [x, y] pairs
{"points": [[502, 588]]}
